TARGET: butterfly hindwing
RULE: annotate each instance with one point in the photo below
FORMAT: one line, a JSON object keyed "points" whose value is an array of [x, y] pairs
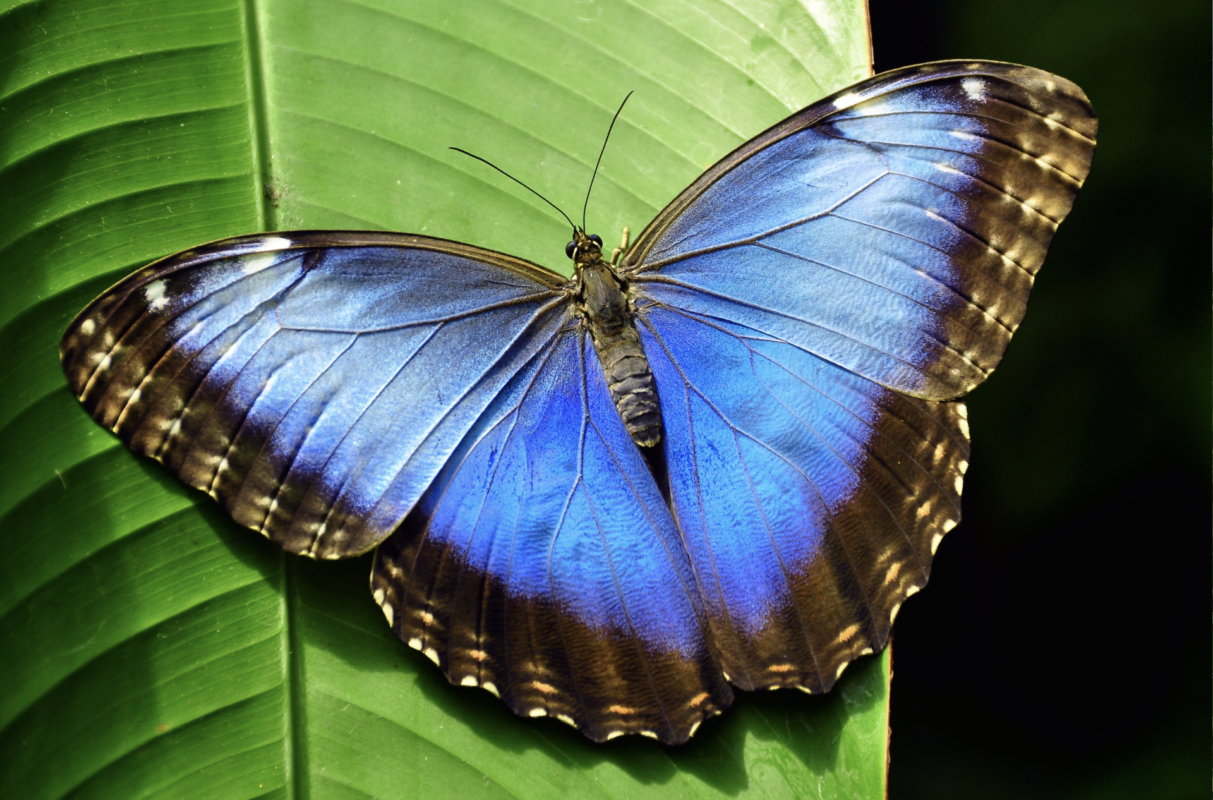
{"points": [[544, 565], [308, 382], [810, 499]]}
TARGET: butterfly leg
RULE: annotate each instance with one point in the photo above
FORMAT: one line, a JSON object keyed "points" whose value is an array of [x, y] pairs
{"points": [[623, 245]]}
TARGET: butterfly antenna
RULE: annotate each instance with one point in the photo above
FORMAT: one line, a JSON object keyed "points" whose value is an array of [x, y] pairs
{"points": [[600, 152], [520, 183]]}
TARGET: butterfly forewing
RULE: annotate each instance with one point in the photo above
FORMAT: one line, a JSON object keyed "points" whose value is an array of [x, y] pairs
{"points": [[898, 223], [309, 383]]}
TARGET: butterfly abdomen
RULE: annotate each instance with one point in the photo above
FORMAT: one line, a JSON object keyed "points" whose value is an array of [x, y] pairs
{"points": [[608, 317], [630, 381]]}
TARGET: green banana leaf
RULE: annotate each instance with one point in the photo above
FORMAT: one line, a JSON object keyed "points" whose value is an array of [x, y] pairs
{"points": [[148, 645]]}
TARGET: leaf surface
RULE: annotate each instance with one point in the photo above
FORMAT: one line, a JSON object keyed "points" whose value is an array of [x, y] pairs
{"points": [[154, 648]]}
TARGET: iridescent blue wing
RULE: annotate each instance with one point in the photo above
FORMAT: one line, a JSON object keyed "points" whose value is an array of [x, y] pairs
{"points": [[893, 229], [544, 565], [806, 305], [810, 499], [314, 383]]}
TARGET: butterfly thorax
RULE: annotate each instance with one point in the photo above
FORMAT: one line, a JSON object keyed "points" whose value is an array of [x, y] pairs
{"points": [[606, 312]]}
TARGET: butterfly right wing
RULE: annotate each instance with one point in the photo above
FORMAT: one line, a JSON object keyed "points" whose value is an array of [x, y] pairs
{"points": [[313, 383], [811, 308], [894, 228]]}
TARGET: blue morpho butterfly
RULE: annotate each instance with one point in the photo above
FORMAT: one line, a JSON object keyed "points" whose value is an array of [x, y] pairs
{"points": [[726, 459]]}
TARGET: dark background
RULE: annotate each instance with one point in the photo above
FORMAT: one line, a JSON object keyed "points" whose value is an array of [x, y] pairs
{"points": [[1062, 649]]}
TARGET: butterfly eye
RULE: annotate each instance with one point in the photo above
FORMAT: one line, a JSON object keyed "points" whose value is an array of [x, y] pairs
{"points": [[596, 239], [570, 249]]}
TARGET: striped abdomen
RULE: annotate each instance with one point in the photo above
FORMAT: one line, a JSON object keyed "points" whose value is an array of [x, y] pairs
{"points": [[608, 317], [630, 382]]}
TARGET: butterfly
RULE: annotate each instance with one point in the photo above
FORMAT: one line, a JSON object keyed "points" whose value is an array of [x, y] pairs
{"points": [[722, 461]]}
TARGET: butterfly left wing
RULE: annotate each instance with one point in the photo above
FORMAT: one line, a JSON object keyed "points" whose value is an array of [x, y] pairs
{"points": [[313, 383], [544, 566], [808, 306]]}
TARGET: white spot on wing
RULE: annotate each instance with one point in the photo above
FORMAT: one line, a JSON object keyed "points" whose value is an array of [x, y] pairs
{"points": [[87, 327], [153, 295], [974, 88], [469, 680], [847, 100], [491, 688], [379, 595], [389, 613], [432, 655], [270, 243]]}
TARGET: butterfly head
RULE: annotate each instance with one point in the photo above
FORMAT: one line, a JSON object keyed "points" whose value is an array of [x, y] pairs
{"points": [[584, 249]]}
